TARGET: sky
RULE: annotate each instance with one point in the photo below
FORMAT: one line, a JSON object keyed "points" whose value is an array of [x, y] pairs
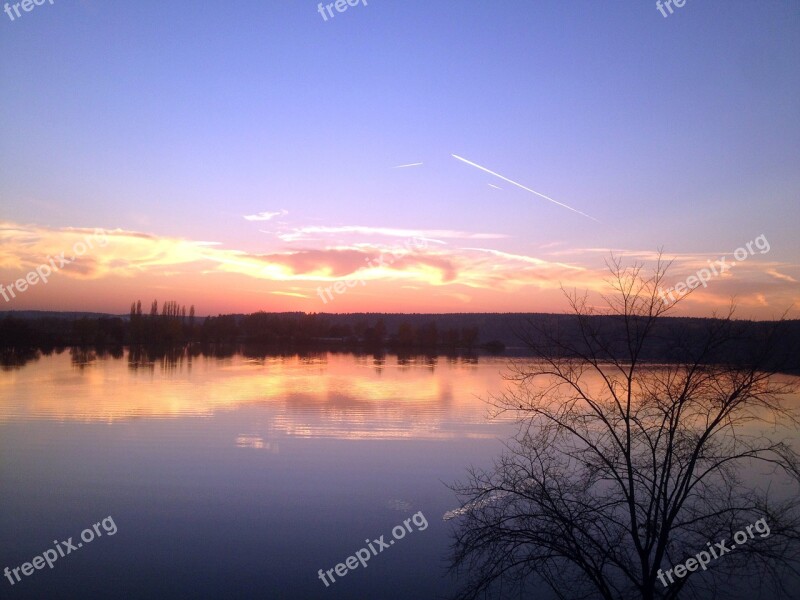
{"points": [[397, 156]]}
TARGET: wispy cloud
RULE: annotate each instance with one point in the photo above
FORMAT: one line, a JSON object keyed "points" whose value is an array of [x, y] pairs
{"points": [[130, 254], [266, 216], [493, 279], [550, 245], [292, 294], [781, 276], [527, 259], [305, 233]]}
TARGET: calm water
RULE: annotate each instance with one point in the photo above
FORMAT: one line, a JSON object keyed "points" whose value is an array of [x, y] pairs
{"points": [[238, 478]]}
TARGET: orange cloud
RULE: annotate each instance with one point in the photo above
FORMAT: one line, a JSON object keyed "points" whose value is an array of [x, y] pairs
{"points": [[418, 277]]}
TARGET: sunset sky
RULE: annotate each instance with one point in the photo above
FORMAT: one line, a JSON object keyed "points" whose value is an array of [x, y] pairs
{"points": [[443, 156]]}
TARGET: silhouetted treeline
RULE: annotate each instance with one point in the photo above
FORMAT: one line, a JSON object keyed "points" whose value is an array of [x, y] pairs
{"points": [[162, 328], [301, 328], [53, 332], [171, 327], [673, 339]]}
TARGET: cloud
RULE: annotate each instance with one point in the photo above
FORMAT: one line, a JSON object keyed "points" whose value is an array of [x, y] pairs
{"points": [[523, 258], [322, 264], [131, 254], [292, 294], [492, 278], [304, 233], [781, 276], [266, 216]]}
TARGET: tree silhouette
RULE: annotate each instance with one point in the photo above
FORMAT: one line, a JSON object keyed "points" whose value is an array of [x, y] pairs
{"points": [[622, 470]]}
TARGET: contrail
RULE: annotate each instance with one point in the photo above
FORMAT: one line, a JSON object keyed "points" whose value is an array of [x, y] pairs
{"points": [[494, 186], [519, 185], [408, 165]]}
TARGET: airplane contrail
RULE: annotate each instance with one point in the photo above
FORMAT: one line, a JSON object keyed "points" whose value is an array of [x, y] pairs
{"points": [[519, 185], [408, 165]]}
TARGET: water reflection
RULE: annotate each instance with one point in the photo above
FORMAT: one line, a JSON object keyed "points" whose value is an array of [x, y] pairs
{"points": [[12, 358], [256, 442], [265, 465], [309, 395], [172, 357]]}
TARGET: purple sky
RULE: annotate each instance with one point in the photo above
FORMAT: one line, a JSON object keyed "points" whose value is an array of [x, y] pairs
{"points": [[168, 124]]}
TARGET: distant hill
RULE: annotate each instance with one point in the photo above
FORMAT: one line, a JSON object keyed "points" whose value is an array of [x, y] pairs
{"points": [[51, 314]]}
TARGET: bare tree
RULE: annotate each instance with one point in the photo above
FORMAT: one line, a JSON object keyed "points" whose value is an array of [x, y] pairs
{"points": [[623, 469]]}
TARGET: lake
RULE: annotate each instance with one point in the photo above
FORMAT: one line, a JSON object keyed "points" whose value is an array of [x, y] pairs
{"points": [[238, 477]]}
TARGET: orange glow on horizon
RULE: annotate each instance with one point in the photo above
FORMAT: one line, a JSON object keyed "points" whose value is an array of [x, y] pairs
{"points": [[434, 278]]}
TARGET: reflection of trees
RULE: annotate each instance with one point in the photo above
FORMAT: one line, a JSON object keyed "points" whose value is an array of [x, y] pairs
{"points": [[12, 358], [81, 356], [146, 357], [621, 470], [17, 343]]}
